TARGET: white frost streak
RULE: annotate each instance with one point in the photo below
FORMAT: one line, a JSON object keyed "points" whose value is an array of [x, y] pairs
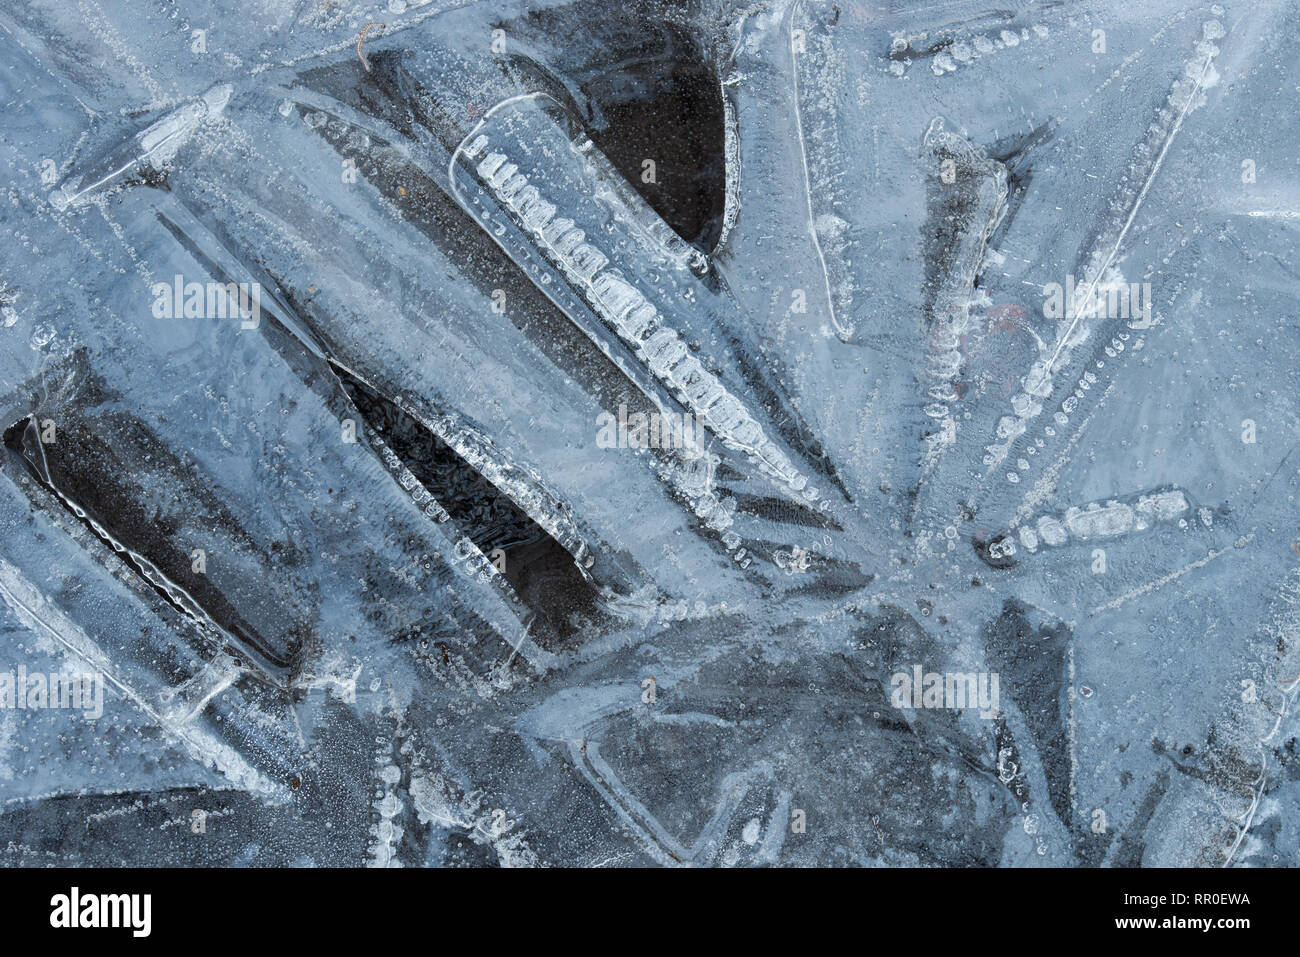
{"points": [[843, 328], [1162, 582], [37, 614], [1038, 384]]}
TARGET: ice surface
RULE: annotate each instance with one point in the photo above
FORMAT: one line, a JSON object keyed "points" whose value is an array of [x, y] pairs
{"points": [[304, 361]]}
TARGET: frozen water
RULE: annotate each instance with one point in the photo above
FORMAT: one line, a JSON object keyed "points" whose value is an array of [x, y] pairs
{"points": [[312, 317]]}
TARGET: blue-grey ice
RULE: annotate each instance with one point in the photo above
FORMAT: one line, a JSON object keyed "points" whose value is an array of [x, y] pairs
{"points": [[527, 432]]}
